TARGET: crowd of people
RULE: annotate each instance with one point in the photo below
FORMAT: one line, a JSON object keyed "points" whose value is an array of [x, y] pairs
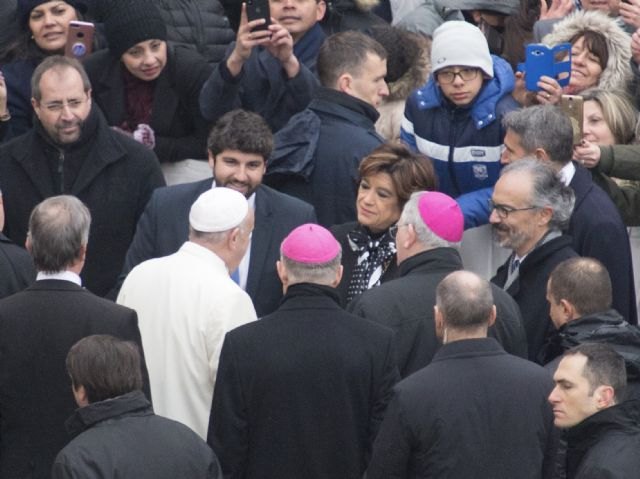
{"points": [[338, 239]]}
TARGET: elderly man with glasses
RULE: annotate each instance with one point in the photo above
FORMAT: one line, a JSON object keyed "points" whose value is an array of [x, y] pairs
{"points": [[530, 208]]}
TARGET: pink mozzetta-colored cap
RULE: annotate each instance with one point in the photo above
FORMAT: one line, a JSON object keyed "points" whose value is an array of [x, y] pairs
{"points": [[442, 215], [311, 244]]}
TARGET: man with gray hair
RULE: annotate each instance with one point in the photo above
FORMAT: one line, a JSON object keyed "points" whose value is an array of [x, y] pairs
{"points": [[300, 393], [428, 237], [37, 328], [595, 226], [529, 209], [186, 303], [475, 411]]}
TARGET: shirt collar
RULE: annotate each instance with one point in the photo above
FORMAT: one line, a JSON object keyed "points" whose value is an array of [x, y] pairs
{"points": [[60, 275], [567, 172]]}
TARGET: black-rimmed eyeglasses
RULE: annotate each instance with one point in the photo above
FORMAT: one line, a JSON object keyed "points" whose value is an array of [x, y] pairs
{"points": [[503, 211]]}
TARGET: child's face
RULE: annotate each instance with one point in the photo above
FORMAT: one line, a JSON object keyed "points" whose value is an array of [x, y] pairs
{"points": [[464, 87]]}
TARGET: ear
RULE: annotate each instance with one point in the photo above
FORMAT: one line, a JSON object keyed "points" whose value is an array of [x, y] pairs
{"points": [[493, 316], [27, 242], [82, 254], [321, 8], [545, 216], [282, 273], [605, 397], [344, 83], [541, 154], [90, 98], [410, 237], [36, 106], [568, 310], [336, 281], [80, 395], [476, 15], [439, 322]]}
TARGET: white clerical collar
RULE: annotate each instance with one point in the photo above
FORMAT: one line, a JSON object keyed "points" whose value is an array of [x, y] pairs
{"points": [[60, 275], [567, 173]]}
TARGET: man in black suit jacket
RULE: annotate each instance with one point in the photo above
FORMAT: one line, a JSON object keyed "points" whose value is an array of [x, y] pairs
{"points": [[37, 328], [239, 145], [301, 393]]}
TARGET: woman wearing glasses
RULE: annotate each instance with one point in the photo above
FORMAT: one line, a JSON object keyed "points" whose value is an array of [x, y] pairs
{"points": [[388, 177]]}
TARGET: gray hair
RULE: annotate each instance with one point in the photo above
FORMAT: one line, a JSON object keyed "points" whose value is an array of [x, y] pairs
{"points": [[543, 126], [317, 273], [58, 229], [548, 191], [465, 300], [411, 215], [58, 63]]}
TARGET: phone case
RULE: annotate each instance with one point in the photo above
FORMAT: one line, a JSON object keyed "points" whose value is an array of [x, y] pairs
{"points": [[79, 39], [541, 61], [259, 9], [573, 107]]}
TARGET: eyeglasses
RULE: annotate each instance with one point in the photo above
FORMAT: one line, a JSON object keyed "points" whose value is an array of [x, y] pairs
{"points": [[503, 211], [58, 106], [449, 76], [393, 231]]}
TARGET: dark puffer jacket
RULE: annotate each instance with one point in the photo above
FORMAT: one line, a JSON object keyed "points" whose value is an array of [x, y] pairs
{"points": [[122, 437], [201, 24]]}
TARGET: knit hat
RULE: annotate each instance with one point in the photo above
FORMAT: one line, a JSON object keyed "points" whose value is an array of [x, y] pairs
{"points": [[311, 244], [129, 22], [506, 7], [25, 7], [218, 209], [442, 215], [462, 44]]}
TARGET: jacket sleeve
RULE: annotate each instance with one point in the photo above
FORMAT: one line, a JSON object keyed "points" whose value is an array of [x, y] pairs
{"points": [[389, 376], [221, 92], [475, 207], [620, 161], [392, 447], [626, 198], [228, 433], [407, 135]]}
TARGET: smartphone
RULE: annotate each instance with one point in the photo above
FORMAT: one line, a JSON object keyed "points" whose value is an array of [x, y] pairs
{"points": [[541, 60], [79, 39], [573, 107], [259, 9]]}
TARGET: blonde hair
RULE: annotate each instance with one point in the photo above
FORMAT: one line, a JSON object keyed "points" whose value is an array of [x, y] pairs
{"points": [[618, 111]]}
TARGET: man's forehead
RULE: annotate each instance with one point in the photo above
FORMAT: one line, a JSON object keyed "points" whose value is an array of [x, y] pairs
{"points": [[515, 186], [570, 368], [65, 82]]}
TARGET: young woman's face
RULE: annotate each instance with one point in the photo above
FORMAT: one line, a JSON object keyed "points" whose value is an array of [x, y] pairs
{"points": [[146, 60], [595, 128], [49, 23], [585, 67]]}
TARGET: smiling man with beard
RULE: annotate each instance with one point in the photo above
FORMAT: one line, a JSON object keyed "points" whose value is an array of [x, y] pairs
{"points": [[530, 208], [239, 145]]}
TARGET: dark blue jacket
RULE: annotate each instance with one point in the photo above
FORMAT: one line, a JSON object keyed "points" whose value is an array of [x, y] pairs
{"points": [[17, 76], [262, 86], [317, 154], [464, 143]]}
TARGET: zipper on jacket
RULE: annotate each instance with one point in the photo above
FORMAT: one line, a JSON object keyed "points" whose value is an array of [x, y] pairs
{"points": [[450, 163]]}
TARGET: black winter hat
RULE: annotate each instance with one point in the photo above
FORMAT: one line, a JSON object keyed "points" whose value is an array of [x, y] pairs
{"points": [[25, 7], [129, 22]]}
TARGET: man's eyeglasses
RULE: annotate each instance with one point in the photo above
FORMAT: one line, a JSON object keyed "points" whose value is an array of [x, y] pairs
{"points": [[503, 211], [449, 76], [393, 231]]}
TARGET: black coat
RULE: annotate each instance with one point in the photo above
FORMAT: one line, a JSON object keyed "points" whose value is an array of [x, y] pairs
{"points": [[350, 257], [37, 328], [317, 154], [114, 176], [606, 445], [406, 306], [180, 130], [122, 437], [599, 232], [164, 227], [530, 289], [604, 327], [474, 413], [16, 268], [300, 393]]}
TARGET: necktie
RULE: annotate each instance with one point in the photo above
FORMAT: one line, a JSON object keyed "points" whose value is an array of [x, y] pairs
{"points": [[515, 264]]}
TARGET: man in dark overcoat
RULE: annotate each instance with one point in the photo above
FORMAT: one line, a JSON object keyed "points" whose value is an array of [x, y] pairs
{"points": [[300, 393]]}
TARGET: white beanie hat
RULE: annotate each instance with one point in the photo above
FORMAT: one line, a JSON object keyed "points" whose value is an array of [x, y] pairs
{"points": [[218, 209], [457, 43]]}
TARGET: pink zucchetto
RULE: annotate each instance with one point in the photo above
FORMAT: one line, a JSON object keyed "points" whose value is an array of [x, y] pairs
{"points": [[311, 244], [442, 215]]}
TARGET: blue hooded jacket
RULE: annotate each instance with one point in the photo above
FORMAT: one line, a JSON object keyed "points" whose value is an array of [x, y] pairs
{"points": [[464, 143]]}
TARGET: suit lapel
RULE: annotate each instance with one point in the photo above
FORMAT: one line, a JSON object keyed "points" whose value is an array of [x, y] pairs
{"points": [[35, 166], [261, 239]]}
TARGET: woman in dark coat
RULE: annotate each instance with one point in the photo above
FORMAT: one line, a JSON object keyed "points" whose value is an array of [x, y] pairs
{"points": [[148, 88], [388, 177]]}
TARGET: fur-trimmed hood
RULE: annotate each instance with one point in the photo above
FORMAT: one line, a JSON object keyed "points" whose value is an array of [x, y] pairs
{"points": [[617, 74]]}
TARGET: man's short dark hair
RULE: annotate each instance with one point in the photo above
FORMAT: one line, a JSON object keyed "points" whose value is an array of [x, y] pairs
{"points": [[58, 229], [604, 367], [242, 131], [583, 282], [345, 52], [58, 63], [543, 126], [105, 366], [465, 300]]}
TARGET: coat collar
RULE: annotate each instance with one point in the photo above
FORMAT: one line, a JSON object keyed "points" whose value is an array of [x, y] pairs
{"points": [[261, 238], [469, 348], [581, 184], [310, 296], [434, 260]]}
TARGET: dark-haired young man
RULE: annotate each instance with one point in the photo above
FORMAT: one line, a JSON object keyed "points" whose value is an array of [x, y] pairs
{"points": [[239, 145], [116, 432]]}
